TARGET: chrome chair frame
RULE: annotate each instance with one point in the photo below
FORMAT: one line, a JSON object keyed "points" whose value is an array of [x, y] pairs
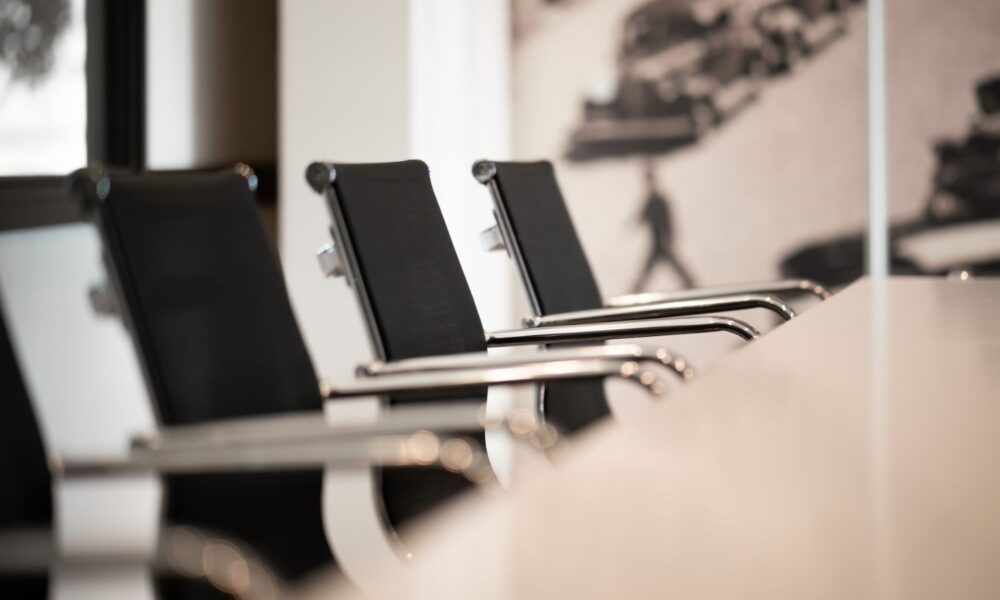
{"points": [[590, 331], [636, 306], [781, 287]]}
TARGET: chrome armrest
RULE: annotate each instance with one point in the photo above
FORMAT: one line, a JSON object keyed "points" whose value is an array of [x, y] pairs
{"points": [[404, 437], [586, 332], [181, 550], [785, 286], [673, 308], [675, 364], [437, 417], [444, 380], [349, 453], [33, 552]]}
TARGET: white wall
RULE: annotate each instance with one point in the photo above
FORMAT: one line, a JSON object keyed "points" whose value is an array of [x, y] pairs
{"points": [[460, 111], [170, 93]]}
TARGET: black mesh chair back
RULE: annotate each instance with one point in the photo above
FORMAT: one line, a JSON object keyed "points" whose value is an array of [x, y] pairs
{"points": [[402, 262], [206, 298], [26, 501], [410, 285], [555, 267], [552, 263], [207, 305], [415, 293]]}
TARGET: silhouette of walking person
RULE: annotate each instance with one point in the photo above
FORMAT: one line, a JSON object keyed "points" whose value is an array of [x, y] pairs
{"points": [[656, 216]]}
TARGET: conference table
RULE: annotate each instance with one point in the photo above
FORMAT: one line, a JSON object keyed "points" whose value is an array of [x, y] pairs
{"points": [[853, 452]]}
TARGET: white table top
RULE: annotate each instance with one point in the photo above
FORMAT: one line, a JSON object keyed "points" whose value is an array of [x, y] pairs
{"points": [[851, 453]]}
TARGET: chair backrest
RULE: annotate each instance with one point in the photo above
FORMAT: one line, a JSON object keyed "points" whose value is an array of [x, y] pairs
{"points": [[411, 289], [26, 502], [541, 237], [400, 258], [205, 297], [402, 261], [206, 304]]}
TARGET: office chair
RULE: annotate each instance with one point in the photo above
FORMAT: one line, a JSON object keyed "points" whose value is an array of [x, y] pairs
{"points": [[391, 244], [243, 444], [533, 225], [206, 306]]}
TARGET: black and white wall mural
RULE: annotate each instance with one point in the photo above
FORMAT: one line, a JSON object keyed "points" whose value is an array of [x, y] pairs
{"points": [[702, 142]]}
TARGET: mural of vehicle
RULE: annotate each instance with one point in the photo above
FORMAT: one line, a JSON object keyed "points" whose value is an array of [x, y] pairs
{"points": [[967, 176], [793, 29], [960, 227], [684, 66]]}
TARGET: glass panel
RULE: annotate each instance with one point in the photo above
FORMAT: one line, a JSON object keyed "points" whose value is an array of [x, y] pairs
{"points": [[43, 101]]}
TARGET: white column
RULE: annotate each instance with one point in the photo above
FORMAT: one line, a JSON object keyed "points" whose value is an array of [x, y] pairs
{"points": [[878, 150]]}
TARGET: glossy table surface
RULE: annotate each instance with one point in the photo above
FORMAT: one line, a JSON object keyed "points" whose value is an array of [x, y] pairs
{"points": [[853, 452]]}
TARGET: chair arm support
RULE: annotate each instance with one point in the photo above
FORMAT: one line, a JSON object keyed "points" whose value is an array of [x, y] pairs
{"points": [[586, 332], [674, 363], [290, 442], [672, 308], [445, 380], [785, 286], [295, 427], [337, 454]]}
